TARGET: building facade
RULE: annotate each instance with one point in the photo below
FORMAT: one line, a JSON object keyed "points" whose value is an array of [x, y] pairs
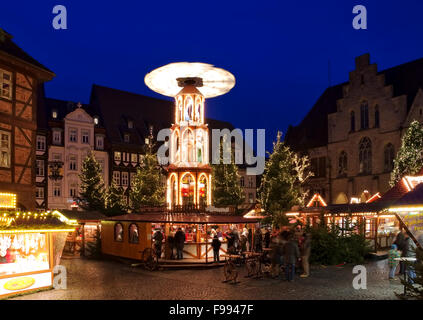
{"points": [[73, 131], [354, 130], [21, 78]]}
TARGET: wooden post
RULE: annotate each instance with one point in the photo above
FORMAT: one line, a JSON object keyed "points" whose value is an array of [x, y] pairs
{"points": [[207, 242], [83, 240], [376, 229]]}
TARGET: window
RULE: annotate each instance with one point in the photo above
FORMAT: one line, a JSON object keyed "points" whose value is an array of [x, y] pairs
{"points": [[57, 137], [125, 156], [134, 157], [250, 198], [54, 114], [5, 84], [242, 182], [250, 182], [126, 138], [125, 179], [41, 143], [57, 190], [73, 162], [39, 168], [96, 120], [318, 167], [352, 121], [377, 117], [364, 115], [72, 190], [39, 193], [130, 124], [365, 155], [118, 232], [99, 142], [57, 157], [116, 177], [133, 233], [342, 164], [85, 136], [73, 135], [389, 155], [5, 149], [117, 156]]}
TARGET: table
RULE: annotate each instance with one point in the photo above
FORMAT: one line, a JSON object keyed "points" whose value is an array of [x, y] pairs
{"points": [[405, 259]]}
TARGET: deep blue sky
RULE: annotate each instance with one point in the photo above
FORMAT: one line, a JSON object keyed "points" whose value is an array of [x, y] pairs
{"points": [[277, 50]]}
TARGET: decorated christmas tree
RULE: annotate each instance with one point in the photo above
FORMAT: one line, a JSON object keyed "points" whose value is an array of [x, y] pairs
{"points": [[146, 187], [92, 186], [227, 190], [409, 157], [114, 200], [284, 175]]}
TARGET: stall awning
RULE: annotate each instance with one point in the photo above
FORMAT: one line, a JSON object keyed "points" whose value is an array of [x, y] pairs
{"points": [[83, 216], [182, 218]]}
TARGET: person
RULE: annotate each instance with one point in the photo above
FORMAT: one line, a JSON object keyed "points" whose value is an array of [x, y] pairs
{"points": [[230, 238], [276, 255], [291, 255], [171, 244], [158, 239], [305, 255], [243, 241], [392, 263], [236, 239], [179, 243], [258, 239], [250, 239], [216, 247], [409, 252], [267, 238], [399, 242]]}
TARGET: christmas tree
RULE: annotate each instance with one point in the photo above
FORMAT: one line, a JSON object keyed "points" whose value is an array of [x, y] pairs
{"points": [[284, 174], [146, 187], [92, 185], [227, 190], [409, 157], [114, 201]]}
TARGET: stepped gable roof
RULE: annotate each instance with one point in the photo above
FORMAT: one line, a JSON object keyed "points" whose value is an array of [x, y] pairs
{"points": [[312, 131], [9, 47]]}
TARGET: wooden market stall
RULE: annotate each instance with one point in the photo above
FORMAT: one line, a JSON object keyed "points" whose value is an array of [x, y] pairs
{"points": [[31, 245], [128, 235]]}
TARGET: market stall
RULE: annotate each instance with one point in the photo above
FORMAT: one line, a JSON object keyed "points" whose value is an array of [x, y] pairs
{"points": [[30, 246], [118, 233]]}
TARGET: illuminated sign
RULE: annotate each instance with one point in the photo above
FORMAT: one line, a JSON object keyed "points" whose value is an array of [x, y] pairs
{"points": [[15, 285], [7, 200]]}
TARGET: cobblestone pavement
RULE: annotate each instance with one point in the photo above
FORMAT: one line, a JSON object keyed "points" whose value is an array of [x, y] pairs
{"points": [[89, 279]]}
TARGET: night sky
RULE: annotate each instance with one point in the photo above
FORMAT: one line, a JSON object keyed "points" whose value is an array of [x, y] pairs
{"points": [[277, 50]]}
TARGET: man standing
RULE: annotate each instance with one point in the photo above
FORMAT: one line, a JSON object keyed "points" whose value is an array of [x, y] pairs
{"points": [[258, 239], [409, 252], [291, 255], [399, 241], [179, 243], [305, 255], [158, 239], [267, 238]]}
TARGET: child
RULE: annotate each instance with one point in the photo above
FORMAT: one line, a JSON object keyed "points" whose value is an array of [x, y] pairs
{"points": [[393, 253], [216, 246]]}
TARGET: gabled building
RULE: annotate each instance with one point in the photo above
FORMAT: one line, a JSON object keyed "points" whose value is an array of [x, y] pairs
{"points": [[21, 80], [354, 130]]}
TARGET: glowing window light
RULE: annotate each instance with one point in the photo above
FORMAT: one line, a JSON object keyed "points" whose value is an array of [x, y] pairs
{"points": [[36, 230], [317, 197], [7, 200]]}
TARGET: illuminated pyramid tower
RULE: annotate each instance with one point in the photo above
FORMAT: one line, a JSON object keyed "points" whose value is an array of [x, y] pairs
{"points": [[189, 173]]}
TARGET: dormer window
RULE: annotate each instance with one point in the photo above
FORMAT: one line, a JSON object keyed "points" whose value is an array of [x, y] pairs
{"points": [[130, 124], [126, 138], [54, 114], [96, 120]]}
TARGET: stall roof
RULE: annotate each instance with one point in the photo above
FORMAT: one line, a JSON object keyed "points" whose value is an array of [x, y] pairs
{"points": [[414, 197], [23, 221], [182, 218], [83, 215], [357, 207]]}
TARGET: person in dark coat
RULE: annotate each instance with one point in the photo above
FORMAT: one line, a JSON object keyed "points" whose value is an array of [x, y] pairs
{"points": [[409, 252], [250, 239], [171, 244], [216, 247], [267, 238], [258, 239], [230, 238], [243, 241], [291, 255], [399, 241], [179, 243], [158, 239]]}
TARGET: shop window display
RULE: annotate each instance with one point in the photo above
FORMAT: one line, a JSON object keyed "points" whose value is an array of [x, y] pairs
{"points": [[118, 232]]}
